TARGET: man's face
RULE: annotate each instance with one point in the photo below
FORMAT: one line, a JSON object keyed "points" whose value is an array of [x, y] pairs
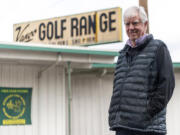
{"points": [[134, 27]]}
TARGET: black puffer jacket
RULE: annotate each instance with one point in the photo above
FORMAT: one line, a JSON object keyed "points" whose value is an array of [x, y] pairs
{"points": [[143, 85]]}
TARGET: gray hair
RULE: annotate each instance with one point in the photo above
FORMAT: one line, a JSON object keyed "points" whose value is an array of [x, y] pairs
{"points": [[132, 11]]}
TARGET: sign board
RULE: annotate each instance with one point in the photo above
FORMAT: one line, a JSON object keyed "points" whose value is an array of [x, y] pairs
{"points": [[96, 27], [15, 106]]}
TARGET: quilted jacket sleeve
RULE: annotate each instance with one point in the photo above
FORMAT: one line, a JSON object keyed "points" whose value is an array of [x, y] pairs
{"points": [[165, 81]]}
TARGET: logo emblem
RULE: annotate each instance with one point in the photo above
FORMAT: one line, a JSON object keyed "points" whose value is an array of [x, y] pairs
{"points": [[14, 106]]}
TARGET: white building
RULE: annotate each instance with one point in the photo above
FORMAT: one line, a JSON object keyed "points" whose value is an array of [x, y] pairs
{"points": [[72, 87]]}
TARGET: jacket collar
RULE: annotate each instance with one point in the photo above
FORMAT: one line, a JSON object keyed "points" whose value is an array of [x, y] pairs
{"points": [[138, 41], [140, 46]]}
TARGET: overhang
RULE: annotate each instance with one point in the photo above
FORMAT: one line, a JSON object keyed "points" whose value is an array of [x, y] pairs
{"points": [[25, 53]]}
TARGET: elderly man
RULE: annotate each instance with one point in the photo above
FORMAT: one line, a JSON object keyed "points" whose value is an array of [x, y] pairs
{"points": [[143, 81]]}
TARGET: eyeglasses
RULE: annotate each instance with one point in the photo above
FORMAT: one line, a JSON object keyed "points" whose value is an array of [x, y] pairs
{"points": [[135, 23]]}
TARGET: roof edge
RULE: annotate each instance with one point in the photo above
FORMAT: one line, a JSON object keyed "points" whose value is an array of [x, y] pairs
{"points": [[98, 65], [55, 48]]}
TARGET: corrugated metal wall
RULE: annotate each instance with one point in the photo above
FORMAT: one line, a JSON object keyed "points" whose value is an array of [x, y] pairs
{"points": [[48, 99], [173, 111], [91, 95], [90, 102]]}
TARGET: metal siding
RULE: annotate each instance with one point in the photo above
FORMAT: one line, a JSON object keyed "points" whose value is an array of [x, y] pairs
{"points": [[90, 102], [173, 109], [52, 100], [106, 84], [48, 99]]}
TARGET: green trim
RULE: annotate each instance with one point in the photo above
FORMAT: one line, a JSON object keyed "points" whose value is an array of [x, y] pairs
{"points": [[176, 65], [61, 50], [98, 65]]}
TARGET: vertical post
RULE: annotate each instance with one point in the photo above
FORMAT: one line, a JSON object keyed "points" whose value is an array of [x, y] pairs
{"points": [[144, 3], [69, 97]]}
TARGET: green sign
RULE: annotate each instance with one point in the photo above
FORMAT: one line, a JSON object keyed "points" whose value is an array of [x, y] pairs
{"points": [[15, 106]]}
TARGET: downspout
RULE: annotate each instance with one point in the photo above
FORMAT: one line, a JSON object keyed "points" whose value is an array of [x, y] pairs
{"points": [[58, 59], [69, 97]]}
